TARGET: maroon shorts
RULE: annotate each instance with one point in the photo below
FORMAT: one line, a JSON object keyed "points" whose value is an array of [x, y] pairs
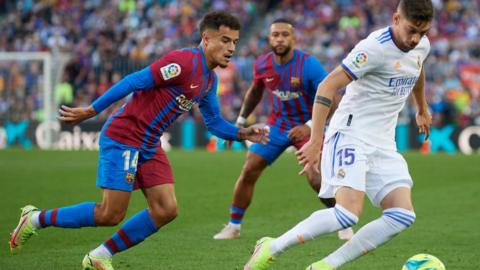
{"points": [[299, 144], [153, 170]]}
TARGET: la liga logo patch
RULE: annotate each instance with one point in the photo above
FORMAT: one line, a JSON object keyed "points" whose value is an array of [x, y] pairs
{"points": [[361, 58], [170, 71]]}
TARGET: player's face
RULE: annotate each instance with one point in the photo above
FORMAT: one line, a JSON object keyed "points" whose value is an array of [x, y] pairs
{"points": [[281, 38], [409, 33], [220, 45]]}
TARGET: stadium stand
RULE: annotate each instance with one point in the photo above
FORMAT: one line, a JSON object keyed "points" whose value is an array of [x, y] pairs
{"points": [[104, 42]]}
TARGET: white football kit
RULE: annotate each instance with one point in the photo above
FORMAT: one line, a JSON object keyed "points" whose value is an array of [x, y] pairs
{"points": [[359, 149]]}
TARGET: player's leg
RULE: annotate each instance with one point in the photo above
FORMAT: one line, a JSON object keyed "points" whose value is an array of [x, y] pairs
{"points": [[258, 158], [315, 179], [154, 177], [162, 208], [388, 186], [116, 195], [242, 195], [344, 215], [397, 216]]}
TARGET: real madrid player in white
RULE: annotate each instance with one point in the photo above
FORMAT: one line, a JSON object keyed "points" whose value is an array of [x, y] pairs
{"points": [[359, 153]]}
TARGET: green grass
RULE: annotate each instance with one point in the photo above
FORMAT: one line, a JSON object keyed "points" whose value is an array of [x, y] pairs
{"points": [[446, 197]]}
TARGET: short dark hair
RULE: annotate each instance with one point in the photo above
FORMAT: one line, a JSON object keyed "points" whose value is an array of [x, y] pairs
{"points": [[417, 10], [284, 20], [215, 19]]}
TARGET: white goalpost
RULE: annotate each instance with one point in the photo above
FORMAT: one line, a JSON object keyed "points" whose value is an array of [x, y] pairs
{"points": [[47, 86]]}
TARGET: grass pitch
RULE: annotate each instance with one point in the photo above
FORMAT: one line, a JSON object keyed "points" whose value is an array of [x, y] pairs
{"points": [[446, 197]]}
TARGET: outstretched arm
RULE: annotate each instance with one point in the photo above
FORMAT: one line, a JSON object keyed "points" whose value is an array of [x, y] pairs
{"points": [[139, 80], [423, 117], [221, 128], [308, 155]]}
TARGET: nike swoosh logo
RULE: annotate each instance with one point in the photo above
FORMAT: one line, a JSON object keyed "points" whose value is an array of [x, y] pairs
{"points": [[269, 79], [193, 85]]}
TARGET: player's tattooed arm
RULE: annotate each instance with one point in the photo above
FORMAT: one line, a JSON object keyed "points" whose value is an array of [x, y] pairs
{"points": [[323, 101], [309, 155], [252, 98]]}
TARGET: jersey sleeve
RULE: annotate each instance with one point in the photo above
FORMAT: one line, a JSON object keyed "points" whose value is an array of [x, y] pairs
{"points": [[172, 69], [212, 117], [364, 58], [315, 73], [257, 77], [137, 81]]}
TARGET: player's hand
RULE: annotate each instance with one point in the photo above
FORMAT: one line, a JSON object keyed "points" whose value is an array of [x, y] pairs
{"points": [[75, 115], [309, 156], [255, 133], [298, 133], [424, 120], [228, 144]]}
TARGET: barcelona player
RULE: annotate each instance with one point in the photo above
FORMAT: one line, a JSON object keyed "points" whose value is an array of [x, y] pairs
{"points": [[131, 156], [291, 77]]}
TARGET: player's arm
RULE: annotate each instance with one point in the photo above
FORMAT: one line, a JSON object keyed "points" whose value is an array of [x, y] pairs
{"points": [[334, 82], [308, 155], [139, 80], [423, 117], [252, 98], [221, 128]]}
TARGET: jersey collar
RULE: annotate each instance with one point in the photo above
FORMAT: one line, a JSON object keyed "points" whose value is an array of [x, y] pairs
{"points": [[393, 39], [204, 60], [288, 62]]}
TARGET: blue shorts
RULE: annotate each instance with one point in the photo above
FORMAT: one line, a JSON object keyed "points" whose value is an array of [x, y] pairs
{"points": [[279, 141], [123, 167]]}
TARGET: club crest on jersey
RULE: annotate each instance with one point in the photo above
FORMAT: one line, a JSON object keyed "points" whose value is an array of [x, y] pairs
{"points": [[295, 81], [130, 177], [341, 173], [184, 103], [170, 71], [360, 59], [397, 64]]}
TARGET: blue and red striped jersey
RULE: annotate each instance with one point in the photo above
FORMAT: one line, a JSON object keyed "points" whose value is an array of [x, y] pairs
{"points": [[181, 79], [292, 87]]}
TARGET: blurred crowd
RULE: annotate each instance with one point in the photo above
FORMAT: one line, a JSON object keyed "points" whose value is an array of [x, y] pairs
{"points": [[107, 39]]}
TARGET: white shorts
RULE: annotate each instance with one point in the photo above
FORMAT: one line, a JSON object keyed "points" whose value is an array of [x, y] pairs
{"points": [[349, 162]]}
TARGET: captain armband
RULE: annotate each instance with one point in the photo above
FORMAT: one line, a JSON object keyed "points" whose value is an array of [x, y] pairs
{"points": [[323, 100]]}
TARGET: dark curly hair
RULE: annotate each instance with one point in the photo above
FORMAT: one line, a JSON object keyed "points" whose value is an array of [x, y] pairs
{"points": [[215, 19]]}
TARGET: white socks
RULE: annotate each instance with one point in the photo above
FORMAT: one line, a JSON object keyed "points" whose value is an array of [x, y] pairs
{"points": [[320, 222], [101, 252], [372, 235], [235, 226], [35, 220]]}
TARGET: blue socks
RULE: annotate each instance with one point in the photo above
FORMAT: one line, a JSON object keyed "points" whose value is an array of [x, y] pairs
{"points": [[75, 216], [134, 231], [236, 215]]}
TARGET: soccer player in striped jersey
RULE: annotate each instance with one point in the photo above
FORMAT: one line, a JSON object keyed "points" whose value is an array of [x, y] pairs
{"points": [[291, 78], [131, 156], [359, 152]]}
